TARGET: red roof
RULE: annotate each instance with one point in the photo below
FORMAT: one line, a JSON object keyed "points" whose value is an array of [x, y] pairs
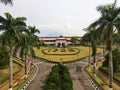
{"points": [[58, 36]]}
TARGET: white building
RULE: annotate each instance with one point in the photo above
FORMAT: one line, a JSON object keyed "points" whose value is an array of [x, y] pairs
{"points": [[59, 41]]}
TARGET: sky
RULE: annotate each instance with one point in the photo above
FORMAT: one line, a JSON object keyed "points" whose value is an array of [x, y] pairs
{"points": [[57, 17]]}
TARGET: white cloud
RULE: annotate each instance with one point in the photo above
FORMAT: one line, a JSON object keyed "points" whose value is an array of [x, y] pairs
{"points": [[54, 17]]}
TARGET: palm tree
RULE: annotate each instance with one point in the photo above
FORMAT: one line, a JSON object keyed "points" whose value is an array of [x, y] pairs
{"points": [[29, 40], [6, 1], [35, 42], [86, 41], [91, 37], [94, 42], [10, 27], [106, 24]]}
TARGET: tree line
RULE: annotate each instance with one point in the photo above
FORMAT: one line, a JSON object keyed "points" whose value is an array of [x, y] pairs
{"points": [[105, 31], [18, 37]]}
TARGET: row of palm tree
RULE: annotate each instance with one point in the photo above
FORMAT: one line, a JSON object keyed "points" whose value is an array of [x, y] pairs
{"points": [[17, 36], [105, 26]]}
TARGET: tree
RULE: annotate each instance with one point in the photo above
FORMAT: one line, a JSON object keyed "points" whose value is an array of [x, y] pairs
{"points": [[35, 42], [106, 24], [94, 42], [4, 56], [11, 31], [116, 56], [6, 1], [42, 42], [74, 40], [91, 37], [86, 41], [29, 40], [116, 39]]}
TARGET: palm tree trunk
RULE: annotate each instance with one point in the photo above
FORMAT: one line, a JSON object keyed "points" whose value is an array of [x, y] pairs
{"points": [[10, 68], [25, 65], [103, 49], [110, 68], [89, 55], [32, 61], [94, 61]]}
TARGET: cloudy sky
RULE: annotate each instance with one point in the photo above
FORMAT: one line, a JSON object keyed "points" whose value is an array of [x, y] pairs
{"points": [[57, 17]]}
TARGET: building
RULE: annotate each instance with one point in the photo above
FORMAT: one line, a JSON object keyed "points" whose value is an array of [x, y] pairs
{"points": [[59, 41]]}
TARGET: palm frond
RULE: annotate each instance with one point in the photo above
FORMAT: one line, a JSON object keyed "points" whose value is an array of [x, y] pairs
{"points": [[6, 2]]}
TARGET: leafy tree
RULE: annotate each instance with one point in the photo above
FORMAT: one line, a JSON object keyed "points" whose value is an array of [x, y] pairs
{"points": [[74, 40], [116, 56], [42, 42]]}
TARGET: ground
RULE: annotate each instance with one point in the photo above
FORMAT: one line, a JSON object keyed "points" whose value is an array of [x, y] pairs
{"points": [[79, 80]]}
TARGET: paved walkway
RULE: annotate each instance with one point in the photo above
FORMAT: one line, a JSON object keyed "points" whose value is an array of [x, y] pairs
{"points": [[39, 81], [79, 80]]}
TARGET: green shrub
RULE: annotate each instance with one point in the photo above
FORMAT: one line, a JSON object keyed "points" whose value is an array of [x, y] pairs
{"points": [[4, 56], [115, 57], [51, 86], [54, 77], [66, 86], [59, 78]]}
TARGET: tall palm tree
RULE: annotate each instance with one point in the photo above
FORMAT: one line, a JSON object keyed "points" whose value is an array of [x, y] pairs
{"points": [[107, 23], [94, 42], [34, 38], [10, 27], [87, 41], [29, 40], [6, 1]]}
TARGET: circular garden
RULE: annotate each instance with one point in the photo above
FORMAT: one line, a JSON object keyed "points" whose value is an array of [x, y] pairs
{"points": [[67, 54]]}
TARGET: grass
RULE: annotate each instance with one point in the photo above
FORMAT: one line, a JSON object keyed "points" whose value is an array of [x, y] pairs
{"points": [[77, 53], [18, 72], [4, 73], [97, 79], [101, 79]]}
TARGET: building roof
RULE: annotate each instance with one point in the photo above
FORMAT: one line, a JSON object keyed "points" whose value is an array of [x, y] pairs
{"points": [[58, 36]]}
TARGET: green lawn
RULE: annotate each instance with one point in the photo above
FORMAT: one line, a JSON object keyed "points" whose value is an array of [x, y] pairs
{"points": [[4, 73], [63, 54], [102, 79], [18, 71]]}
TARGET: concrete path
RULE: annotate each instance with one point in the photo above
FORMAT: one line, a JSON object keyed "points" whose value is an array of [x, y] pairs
{"points": [[80, 82], [39, 81]]}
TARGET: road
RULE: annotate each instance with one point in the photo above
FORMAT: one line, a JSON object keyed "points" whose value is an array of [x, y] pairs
{"points": [[79, 80]]}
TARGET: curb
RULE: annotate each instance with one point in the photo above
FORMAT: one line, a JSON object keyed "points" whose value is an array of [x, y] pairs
{"points": [[89, 79], [30, 80]]}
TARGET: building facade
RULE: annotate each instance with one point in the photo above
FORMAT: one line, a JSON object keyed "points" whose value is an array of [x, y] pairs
{"points": [[59, 41]]}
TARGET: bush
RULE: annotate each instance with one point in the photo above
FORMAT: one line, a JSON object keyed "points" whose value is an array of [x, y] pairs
{"points": [[51, 86], [66, 86], [54, 77], [4, 56], [59, 78], [115, 57]]}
